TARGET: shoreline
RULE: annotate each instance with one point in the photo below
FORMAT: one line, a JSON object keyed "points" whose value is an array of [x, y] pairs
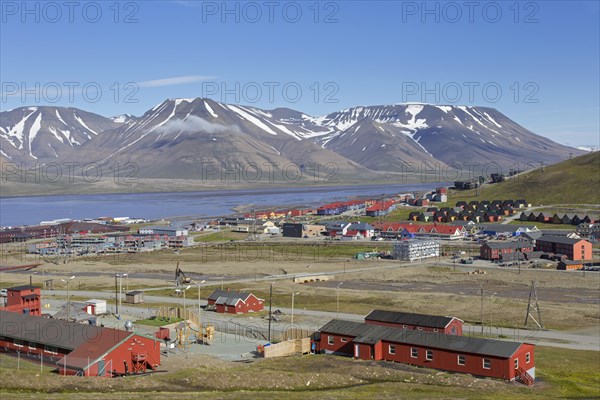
{"points": [[195, 205]]}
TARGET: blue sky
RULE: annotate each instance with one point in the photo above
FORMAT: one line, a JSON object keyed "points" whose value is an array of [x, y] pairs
{"points": [[537, 62]]}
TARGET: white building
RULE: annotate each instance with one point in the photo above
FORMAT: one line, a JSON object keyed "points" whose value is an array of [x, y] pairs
{"points": [[163, 230], [95, 307], [415, 249]]}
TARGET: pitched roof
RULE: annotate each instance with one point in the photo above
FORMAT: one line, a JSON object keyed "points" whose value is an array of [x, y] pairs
{"points": [[228, 301], [508, 245], [533, 235], [500, 227], [360, 226], [23, 287], [54, 332], [366, 333], [557, 239], [215, 295], [396, 317]]}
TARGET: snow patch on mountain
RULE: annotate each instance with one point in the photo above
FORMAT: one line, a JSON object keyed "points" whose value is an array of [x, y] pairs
{"points": [[78, 119], [210, 110], [60, 118], [33, 131], [245, 114], [18, 131], [492, 119]]}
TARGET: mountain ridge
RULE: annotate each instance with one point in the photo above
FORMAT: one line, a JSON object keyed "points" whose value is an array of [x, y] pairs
{"points": [[176, 136]]}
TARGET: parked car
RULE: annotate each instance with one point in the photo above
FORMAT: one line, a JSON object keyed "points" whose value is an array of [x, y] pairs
{"points": [[3, 292]]}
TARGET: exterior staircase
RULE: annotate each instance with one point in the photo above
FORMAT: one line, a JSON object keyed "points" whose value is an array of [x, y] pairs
{"points": [[524, 377]]}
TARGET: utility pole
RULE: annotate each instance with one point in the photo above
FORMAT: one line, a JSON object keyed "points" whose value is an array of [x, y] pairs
{"points": [[293, 295], [337, 300], [120, 287], [482, 309], [68, 304], [116, 295], [533, 307], [270, 308]]}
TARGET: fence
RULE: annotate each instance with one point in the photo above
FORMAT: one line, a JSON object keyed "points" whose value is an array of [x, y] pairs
{"points": [[288, 348], [244, 328]]}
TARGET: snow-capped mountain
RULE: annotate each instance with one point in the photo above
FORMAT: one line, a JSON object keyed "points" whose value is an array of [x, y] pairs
{"points": [[181, 138], [448, 134], [45, 134], [187, 137]]}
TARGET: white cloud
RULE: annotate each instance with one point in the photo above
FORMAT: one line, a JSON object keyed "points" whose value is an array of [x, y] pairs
{"points": [[177, 80], [193, 124]]}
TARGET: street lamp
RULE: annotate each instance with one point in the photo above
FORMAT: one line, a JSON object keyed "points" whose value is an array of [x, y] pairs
{"points": [[67, 282], [183, 291], [118, 300], [491, 300], [293, 295], [31, 278], [337, 300], [200, 310]]}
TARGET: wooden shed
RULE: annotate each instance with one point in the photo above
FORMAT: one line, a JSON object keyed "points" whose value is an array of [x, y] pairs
{"points": [[134, 297]]}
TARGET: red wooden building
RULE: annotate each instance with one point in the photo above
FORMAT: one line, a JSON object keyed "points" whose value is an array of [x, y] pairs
{"points": [[78, 349], [420, 322], [225, 301], [24, 299], [480, 357], [505, 251]]}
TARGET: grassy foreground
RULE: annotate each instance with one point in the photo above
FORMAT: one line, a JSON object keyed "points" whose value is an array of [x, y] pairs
{"points": [[561, 374]]}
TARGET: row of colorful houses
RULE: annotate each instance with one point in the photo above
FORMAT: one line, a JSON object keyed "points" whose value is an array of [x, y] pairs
{"points": [[558, 218], [487, 204], [402, 230]]}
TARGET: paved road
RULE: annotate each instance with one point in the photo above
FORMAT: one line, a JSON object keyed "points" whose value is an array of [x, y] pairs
{"points": [[588, 340]]}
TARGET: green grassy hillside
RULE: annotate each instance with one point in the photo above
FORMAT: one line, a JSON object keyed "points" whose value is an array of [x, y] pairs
{"points": [[575, 181]]}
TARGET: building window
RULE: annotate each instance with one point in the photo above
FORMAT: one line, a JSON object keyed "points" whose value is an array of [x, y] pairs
{"points": [[516, 363], [487, 363], [429, 355], [392, 349], [527, 358], [330, 340], [461, 360], [414, 353], [344, 340]]}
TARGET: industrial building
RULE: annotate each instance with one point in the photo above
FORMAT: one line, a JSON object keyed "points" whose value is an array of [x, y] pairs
{"points": [[420, 322], [301, 230], [79, 349], [505, 251], [163, 230], [226, 301], [574, 249], [415, 249], [24, 300], [453, 353]]}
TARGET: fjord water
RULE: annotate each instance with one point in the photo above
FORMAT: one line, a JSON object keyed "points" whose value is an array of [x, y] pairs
{"points": [[31, 210]]}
